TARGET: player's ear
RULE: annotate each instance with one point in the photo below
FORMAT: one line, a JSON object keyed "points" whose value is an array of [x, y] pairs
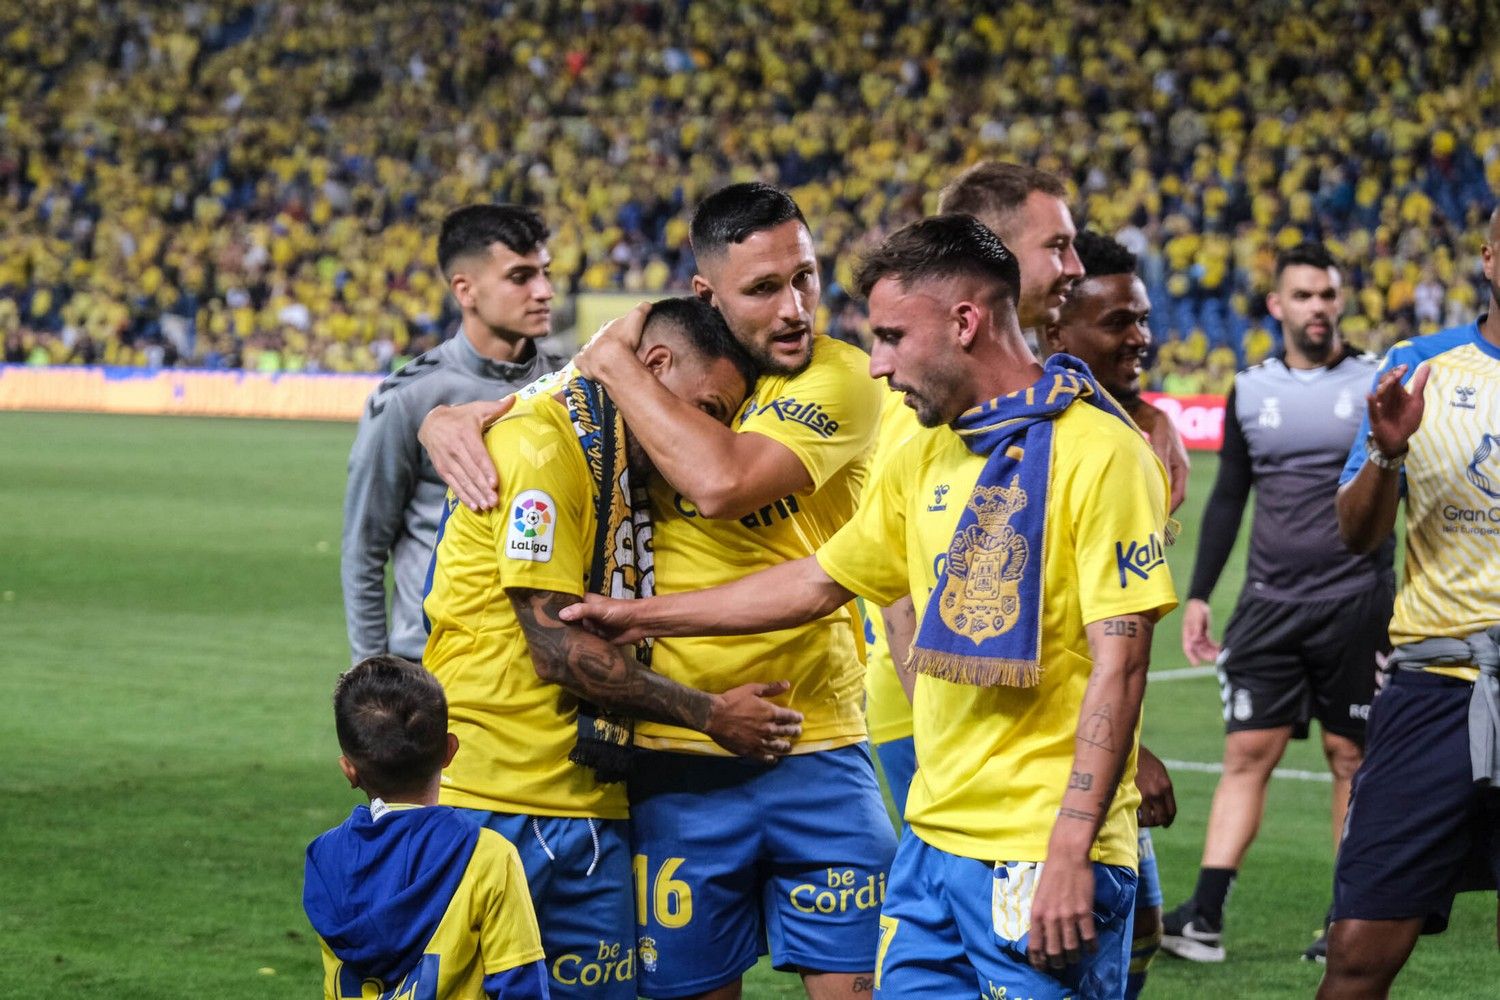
{"points": [[347, 766], [452, 749], [657, 359], [462, 289], [1273, 305], [704, 290], [967, 321]]}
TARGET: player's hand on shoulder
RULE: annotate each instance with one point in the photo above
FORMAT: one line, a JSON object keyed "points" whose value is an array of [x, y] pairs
{"points": [[615, 339], [454, 439], [1158, 802], [744, 722], [1197, 641], [612, 620]]}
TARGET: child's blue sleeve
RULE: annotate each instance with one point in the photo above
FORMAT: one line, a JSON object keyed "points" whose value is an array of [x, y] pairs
{"points": [[524, 982]]}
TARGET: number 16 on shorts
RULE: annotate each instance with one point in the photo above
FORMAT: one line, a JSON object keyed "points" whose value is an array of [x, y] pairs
{"points": [[660, 894]]}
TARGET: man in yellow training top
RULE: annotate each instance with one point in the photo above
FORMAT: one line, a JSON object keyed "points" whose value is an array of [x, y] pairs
{"points": [[1037, 576]]}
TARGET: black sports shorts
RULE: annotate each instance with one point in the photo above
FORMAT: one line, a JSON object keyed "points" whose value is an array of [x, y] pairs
{"points": [[1284, 663]]}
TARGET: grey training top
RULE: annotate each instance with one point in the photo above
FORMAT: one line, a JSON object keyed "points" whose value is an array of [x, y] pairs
{"points": [[395, 499], [1287, 433]]}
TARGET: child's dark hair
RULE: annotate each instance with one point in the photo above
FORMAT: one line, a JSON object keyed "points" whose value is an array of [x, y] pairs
{"points": [[392, 723]]}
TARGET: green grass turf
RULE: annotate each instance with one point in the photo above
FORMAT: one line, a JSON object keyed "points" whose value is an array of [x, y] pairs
{"points": [[170, 628]]}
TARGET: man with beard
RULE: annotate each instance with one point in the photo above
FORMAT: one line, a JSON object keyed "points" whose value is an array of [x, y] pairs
{"points": [[731, 853], [1307, 635]]}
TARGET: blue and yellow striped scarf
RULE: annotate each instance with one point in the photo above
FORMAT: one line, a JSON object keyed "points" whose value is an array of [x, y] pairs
{"points": [[983, 624], [621, 565]]}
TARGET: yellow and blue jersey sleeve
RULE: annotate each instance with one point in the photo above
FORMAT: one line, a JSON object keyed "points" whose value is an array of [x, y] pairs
{"points": [[824, 415]]}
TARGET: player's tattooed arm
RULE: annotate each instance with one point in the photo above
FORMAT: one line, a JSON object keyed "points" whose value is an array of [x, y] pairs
{"points": [[1062, 915], [740, 720]]}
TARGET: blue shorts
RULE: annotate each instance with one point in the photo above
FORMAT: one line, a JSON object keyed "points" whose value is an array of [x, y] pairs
{"points": [[898, 759], [1148, 891], [946, 931], [1419, 830], [732, 856], [579, 873]]}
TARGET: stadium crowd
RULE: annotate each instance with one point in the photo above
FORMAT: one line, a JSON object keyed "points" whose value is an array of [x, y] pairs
{"points": [[232, 185]]}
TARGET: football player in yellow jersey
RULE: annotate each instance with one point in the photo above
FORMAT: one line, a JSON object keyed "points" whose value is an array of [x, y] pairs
{"points": [[1422, 816], [733, 858], [410, 898], [1037, 579], [515, 676]]}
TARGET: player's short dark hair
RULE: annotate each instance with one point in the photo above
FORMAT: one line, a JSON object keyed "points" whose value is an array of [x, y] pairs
{"points": [[1307, 254], [995, 188], [941, 246], [473, 229], [392, 722], [705, 330], [1102, 256], [733, 213]]}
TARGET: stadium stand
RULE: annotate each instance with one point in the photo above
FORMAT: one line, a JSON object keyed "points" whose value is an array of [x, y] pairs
{"points": [[230, 185]]}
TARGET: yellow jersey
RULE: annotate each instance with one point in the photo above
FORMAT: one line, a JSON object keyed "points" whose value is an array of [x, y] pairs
{"points": [[887, 710], [514, 729], [992, 763], [827, 415], [1452, 482]]}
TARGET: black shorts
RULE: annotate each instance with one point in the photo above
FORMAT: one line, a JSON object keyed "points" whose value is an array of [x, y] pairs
{"points": [[1419, 830], [1285, 663]]}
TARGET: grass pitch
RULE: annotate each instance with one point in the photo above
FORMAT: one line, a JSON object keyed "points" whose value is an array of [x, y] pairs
{"points": [[170, 628]]}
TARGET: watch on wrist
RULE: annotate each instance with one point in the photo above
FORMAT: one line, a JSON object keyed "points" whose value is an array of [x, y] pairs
{"points": [[1380, 459]]}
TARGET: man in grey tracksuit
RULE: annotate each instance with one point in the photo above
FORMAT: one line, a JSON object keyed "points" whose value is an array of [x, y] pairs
{"points": [[1310, 625], [495, 260]]}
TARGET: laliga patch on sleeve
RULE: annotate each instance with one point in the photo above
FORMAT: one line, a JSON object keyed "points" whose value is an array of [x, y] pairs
{"points": [[533, 519]]}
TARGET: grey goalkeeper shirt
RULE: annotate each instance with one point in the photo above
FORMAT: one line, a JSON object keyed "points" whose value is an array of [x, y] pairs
{"points": [[394, 498]]}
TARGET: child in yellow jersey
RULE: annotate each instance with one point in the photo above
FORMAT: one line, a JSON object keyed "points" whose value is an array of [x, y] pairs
{"points": [[1037, 577], [410, 898]]}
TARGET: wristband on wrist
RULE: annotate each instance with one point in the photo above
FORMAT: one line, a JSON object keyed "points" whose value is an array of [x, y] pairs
{"points": [[1380, 459]]}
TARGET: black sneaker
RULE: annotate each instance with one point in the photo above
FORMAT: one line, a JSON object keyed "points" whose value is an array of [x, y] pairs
{"points": [[1188, 934], [1318, 950]]}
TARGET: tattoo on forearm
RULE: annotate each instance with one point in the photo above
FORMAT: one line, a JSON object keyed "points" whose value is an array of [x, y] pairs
{"points": [[1068, 812], [1099, 729], [592, 668], [863, 984], [1080, 780], [1122, 626]]}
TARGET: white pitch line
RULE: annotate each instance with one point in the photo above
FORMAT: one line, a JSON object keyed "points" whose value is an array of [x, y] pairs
{"points": [[1280, 772], [1181, 674]]}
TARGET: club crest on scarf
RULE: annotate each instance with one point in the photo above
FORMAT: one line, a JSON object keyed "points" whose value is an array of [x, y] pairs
{"points": [[982, 595], [984, 626]]}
